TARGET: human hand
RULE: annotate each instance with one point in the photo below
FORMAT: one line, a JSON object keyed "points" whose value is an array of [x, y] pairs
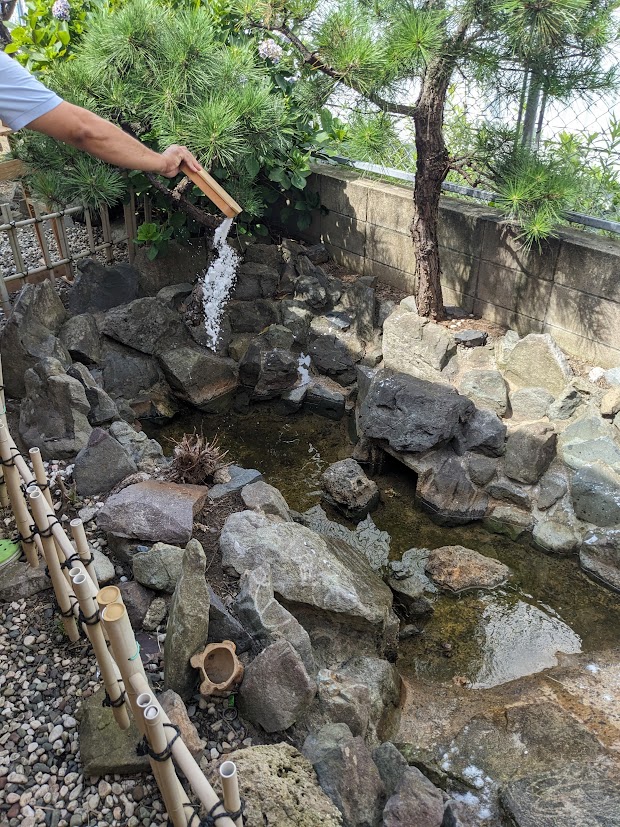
{"points": [[173, 157]]}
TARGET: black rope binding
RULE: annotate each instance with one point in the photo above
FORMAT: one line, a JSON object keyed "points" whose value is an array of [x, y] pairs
{"points": [[47, 532], [107, 701], [8, 463], [143, 747], [30, 538], [211, 818], [68, 564], [91, 620]]}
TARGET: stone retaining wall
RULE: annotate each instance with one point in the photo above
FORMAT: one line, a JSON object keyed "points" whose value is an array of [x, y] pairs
{"points": [[572, 290]]}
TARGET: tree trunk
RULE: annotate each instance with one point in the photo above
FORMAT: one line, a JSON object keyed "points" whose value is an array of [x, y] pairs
{"points": [[431, 169]]}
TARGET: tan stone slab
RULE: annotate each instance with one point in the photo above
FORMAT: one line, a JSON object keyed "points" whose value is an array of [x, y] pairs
{"points": [[390, 207], [344, 193], [459, 272]]}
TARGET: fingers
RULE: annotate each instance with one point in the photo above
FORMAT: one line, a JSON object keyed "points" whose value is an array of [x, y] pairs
{"points": [[174, 156]]}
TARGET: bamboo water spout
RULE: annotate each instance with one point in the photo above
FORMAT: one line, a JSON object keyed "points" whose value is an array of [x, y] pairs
{"points": [[213, 190]]}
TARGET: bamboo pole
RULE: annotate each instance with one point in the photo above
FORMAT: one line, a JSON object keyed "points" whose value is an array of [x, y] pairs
{"points": [[107, 667], [61, 588], [183, 757], [210, 187], [18, 504], [40, 474], [81, 544], [168, 781], [39, 228], [4, 497], [89, 229], [107, 232], [230, 788]]}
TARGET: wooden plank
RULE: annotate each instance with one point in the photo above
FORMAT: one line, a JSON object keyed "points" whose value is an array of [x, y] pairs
{"points": [[9, 170], [213, 190]]}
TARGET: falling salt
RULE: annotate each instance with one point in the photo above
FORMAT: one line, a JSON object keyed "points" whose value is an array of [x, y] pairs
{"points": [[218, 281], [592, 667], [303, 369]]}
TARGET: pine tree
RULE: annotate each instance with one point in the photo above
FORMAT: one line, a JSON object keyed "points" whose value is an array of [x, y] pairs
{"points": [[377, 48]]}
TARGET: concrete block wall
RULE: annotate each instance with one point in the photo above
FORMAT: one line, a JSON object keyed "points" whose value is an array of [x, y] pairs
{"points": [[571, 289]]}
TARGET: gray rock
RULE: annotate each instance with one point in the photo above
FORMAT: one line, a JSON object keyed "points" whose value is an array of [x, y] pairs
{"points": [[457, 814], [266, 620], [252, 317], [293, 399], [505, 489], [198, 377], [576, 793], [551, 488], [175, 709], [105, 749], [325, 583], [347, 487], [268, 372], [566, 404], [180, 262], [595, 493], [296, 317], [137, 599], [156, 614], [391, 764], [267, 254], [54, 414], [481, 469], [239, 478], [102, 408], [445, 491], [358, 300], [276, 688], [484, 432], [555, 536], [347, 774], [471, 338], [529, 452], [335, 356], [610, 403], [412, 414], [259, 496], [486, 389], [578, 455], [98, 288], [509, 521], [188, 622], [146, 453], [155, 511], [255, 280], [101, 464], [364, 694], [142, 324], [535, 361], [416, 346], [384, 308], [599, 556], [174, 295], [457, 568], [415, 801], [159, 568], [317, 254], [19, 581], [308, 289], [104, 567], [80, 335], [369, 540], [223, 626], [126, 372], [26, 338], [530, 403], [325, 397]]}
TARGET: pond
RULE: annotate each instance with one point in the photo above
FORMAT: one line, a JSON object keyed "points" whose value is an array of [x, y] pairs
{"points": [[478, 638]]}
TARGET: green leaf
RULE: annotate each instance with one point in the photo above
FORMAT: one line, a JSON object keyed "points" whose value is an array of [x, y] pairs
{"points": [[252, 165], [298, 181], [304, 221], [152, 253]]}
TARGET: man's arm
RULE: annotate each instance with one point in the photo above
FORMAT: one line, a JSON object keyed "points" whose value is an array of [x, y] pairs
{"points": [[87, 131]]}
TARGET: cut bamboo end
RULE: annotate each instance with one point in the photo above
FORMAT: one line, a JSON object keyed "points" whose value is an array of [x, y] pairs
{"points": [[216, 193], [230, 789], [109, 595]]}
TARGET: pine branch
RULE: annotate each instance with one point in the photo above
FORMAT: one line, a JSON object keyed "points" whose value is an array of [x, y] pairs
{"points": [[181, 203]]}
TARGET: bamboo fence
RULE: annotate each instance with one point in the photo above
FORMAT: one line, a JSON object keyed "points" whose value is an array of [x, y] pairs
{"points": [[102, 616]]}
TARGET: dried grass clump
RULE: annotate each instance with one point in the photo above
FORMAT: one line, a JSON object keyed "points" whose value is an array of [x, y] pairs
{"points": [[195, 460]]}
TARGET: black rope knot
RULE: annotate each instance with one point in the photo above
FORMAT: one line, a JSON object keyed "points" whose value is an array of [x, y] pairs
{"points": [[145, 749], [107, 701], [211, 818], [47, 532], [68, 564], [91, 620]]}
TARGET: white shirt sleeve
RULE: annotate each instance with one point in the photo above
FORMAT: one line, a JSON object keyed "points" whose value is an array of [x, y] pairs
{"points": [[22, 97]]}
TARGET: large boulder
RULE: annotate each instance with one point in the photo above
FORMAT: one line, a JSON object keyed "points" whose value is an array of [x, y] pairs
{"points": [[179, 263], [266, 620], [267, 254], [101, 464], [146, 453], [255, 280], [412, 414], [97, 288], [156, 511], [104, 747], [252, 316], [484, 432], [198, 377], [54, 414], [416, 800], [325, 397], [336, 356], [188, 622], [595, 493], [391, 764], [445, 491], [529, 452], [276, 688], [486, 389], [358, 301], [416, 346], [347, 774], [599, 556], [103, 409], [80, 335], [267, 371], [363, 693], [533, 362], [328, 586], [280, 788], [143, 324], [346, 486], [457, 568], [159, 568], [30, 334], [556, 534], [530, 403]]}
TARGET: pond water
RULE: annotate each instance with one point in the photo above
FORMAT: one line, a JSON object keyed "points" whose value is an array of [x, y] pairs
{"points": [[482, 638]]}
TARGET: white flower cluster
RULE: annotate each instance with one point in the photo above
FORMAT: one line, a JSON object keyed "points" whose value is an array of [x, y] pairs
{"points": [[270, 50], [218, 281], [61, 10]]}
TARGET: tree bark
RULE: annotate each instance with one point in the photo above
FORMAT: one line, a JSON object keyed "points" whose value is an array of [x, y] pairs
{"points": [[432, 162]]}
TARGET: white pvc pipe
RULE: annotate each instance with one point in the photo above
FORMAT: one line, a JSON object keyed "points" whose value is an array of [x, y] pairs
{"points": [[81, 544], [171, 790], [230, 788]]}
